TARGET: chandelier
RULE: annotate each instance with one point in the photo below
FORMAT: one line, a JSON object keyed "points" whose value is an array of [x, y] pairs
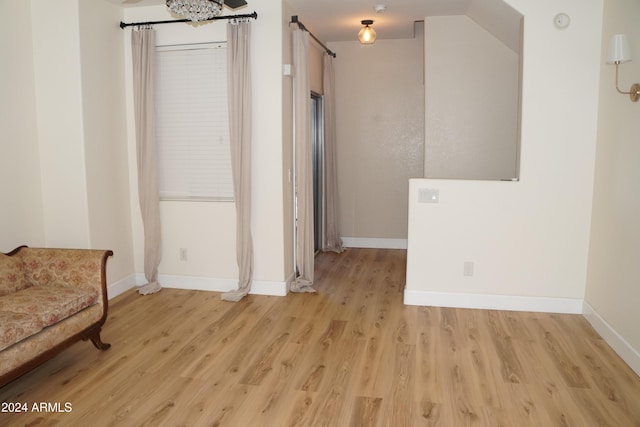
{"points": [[196, 10]]}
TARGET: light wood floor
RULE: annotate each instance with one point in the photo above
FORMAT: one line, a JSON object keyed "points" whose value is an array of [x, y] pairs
{"points": [[350, 355]]}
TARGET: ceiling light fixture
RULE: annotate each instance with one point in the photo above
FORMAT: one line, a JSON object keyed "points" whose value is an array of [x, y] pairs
{"points": [[196, 10], [619, 52], [367, 35]]}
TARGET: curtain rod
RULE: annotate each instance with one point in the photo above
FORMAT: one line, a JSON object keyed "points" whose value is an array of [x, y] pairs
{"points": [[294, 20], [253, 15]]}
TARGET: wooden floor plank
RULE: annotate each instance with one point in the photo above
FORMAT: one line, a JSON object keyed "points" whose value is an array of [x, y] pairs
{"points": [[349, 355]]}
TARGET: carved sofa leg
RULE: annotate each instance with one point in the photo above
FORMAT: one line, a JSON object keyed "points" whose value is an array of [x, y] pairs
{"points": [[94, 336]]}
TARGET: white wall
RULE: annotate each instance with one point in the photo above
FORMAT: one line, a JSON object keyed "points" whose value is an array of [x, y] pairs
{"points": [[287, 140], [471, 86], [20, 190], [104, 134], [207, 229], [380, 136], [528, 240], [72, 187], [58, 79], [76, 157], [612, 293]]}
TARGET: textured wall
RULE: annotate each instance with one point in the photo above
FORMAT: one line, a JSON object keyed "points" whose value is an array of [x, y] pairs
{"points": [[380, 133], [471, 81]]}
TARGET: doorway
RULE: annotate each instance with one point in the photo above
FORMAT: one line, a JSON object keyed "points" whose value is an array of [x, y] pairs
{"points": [[317, 152]]}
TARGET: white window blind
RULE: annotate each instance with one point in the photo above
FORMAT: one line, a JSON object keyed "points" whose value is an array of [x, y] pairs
{"points": [[192, 129]]}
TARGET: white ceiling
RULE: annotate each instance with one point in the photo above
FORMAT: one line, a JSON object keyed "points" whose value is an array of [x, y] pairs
{"points": [[339, 20]]}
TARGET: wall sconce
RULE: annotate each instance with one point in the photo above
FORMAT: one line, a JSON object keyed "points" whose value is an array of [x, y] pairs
{"points": [[619, 52], [367, 35]]}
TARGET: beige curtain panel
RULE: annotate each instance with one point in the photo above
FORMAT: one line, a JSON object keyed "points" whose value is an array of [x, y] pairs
{"points": [[143, 48], [333, 242], [303, 179], [239, 98]]}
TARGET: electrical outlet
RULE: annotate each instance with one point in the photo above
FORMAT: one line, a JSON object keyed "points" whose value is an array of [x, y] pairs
{"points": [[428, 195], [468, 269], [184, 254]]}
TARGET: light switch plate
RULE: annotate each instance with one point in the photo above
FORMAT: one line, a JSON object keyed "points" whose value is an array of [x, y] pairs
{"points": [[428, 195]]}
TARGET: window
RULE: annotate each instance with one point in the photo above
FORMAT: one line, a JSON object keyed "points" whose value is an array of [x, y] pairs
{"points": [[192, 130]]}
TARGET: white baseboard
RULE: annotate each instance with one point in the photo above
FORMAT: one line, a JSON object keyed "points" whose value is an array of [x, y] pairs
{"points": [[493, 302], [630, 355], [121, 286], [290, 280], [258, 287], [262, 287], [374, 242]]}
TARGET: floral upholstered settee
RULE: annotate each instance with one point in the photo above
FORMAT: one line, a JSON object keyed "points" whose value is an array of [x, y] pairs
{"points": [[49, 299]]}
